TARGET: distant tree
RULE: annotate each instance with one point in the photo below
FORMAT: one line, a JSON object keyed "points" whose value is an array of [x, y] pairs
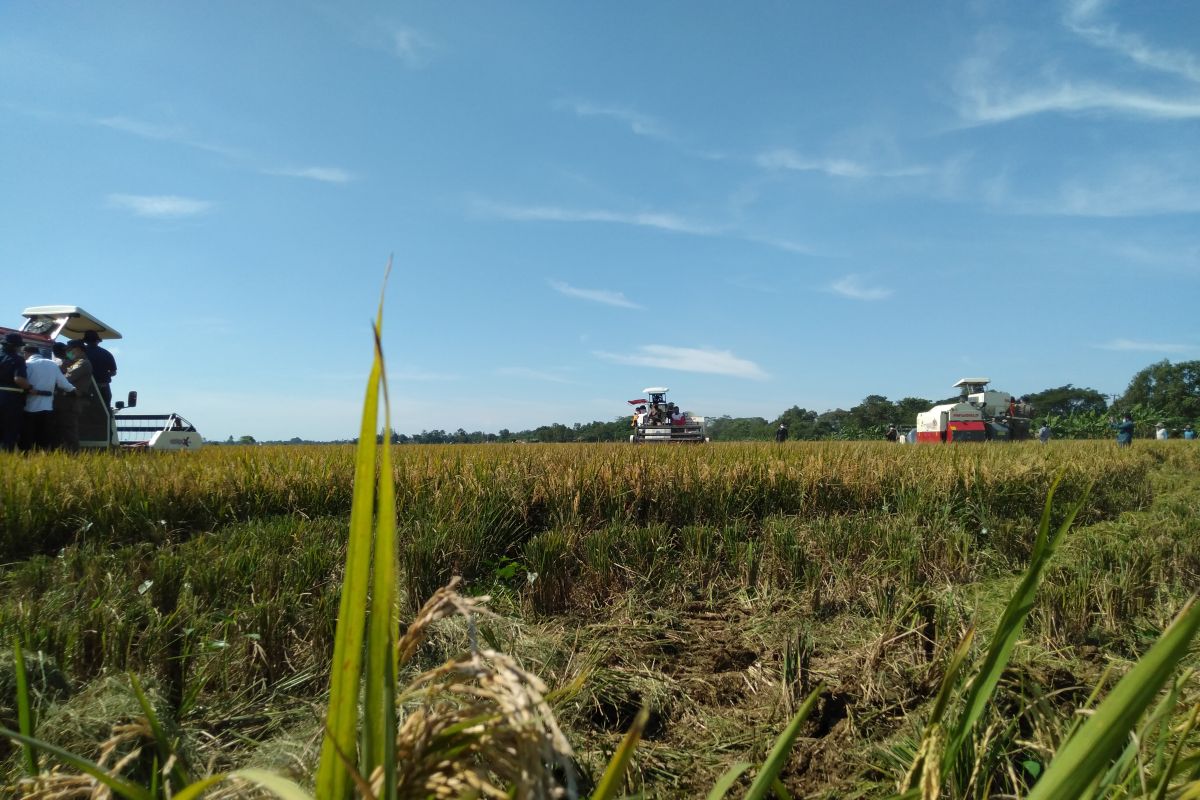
{"points": [[908, 408], [801, 423], [1067, 400], [246, 440], [1171, 390], [740, 429], [873, 414]]}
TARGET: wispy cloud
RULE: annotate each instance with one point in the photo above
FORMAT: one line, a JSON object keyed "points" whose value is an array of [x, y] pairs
{"points": [[160, 206], [532, 374], [673, 223], [1129, 186], [411, 46], [637, 122], [1133, 345], [421, 376], [984, 104], [988, 93], [646, 219], [787, 159], [1083, 17], [853, 287], [174, 134], [604, 296], [687, 359], [323, 174]]}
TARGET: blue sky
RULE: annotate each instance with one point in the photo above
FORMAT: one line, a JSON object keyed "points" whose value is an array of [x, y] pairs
{"points": [[757, 205]]}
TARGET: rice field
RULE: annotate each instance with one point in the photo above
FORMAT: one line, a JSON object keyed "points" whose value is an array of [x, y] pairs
{"points": [[713, 586]]}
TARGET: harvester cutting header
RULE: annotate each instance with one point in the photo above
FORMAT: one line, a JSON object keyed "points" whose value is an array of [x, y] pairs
{"points": [[657, 421], [981, 415]]}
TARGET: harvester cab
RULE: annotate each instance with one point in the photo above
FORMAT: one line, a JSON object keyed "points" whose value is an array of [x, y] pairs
{"points": [[661, 422], [101, 427]]}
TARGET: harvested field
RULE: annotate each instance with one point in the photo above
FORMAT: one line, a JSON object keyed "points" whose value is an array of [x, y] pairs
{"points": [[715, 586]]}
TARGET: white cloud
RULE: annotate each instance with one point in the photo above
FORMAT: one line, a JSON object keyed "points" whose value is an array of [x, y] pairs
{"points": [[421, 376], [852, 286], [640, 124], [531, 374], [983, 104], [161, 206], [687, 359], [787, 159], [673, 223], [661, 221], [988, 94], [411, 46], [323, 174], [595, 295], [164, 133], [1081, 18], [1133, 345], [1126, 187]]}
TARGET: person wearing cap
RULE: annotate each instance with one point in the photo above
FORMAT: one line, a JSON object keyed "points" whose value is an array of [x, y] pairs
{"points": [[1160, 432], [37, 430], [892, 434], [781, 433], [68, 406], [14, 382], [1188, 433], [104, 366]]}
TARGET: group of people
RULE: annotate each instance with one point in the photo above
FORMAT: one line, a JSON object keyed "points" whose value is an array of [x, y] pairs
{"points": [[1125, 427], [658, 414], [41, 398]]}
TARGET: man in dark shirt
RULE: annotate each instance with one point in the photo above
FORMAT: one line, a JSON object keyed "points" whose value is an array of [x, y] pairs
{"points": [[13, 385], [104, 366]]}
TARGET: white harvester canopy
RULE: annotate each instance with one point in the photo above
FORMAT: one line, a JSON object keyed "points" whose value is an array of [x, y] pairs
{"points": [[69, 322]]}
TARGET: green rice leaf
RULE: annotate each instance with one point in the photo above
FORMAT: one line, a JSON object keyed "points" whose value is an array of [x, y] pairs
{"points": [[727, 780], [276, 784], [1008, 631], [334, 779], [1086, 754], [614, 773], [380, 710], [24, 710], [778, 757], [165, 749], [122, 787]]}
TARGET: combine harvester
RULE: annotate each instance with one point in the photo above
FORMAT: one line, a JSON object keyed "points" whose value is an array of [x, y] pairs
{"points": [[660, 422], [99, 426], [982, 415]]}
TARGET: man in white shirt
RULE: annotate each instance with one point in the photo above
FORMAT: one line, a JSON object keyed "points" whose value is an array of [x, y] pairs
{"points": [[44, 377]]}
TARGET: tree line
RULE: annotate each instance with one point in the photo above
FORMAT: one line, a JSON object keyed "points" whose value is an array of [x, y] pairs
{"points": [[1162, 392]]}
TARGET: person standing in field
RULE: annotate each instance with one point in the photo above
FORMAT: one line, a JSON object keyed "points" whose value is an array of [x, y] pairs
{"points": [[14, 382], [892, 434], [37, 430], [1161, 433], [1124, 431], [1044, 433], [1188, 433], [781, 433], [104, 366], [69, 405]]}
